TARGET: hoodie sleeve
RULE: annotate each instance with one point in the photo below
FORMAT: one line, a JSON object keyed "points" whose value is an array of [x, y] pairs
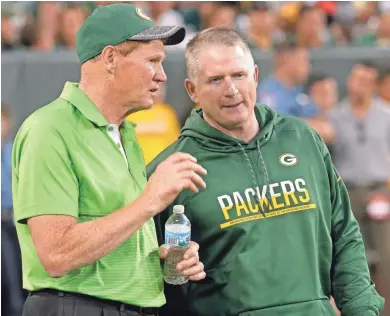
{"points": [[352, 288]]}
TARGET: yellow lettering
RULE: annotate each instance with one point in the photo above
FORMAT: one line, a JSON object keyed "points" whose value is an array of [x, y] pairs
{"points": [[288, 193], [249, 200], [275, 195], [275, 203], [262, 198], [240, 204], [263, 201], [305, 192], [306, 197], [292, 196], [225, 208]]}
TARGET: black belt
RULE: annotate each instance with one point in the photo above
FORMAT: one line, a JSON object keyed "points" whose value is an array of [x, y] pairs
{"points": [[95, 300]]}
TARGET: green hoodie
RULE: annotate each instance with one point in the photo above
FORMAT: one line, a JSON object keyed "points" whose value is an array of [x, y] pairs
{"points": [[307, 246]]}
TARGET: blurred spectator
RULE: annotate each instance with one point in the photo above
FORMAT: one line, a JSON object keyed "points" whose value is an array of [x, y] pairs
{"points": [[340, 34], [15, 16], [322, 89], [361, 151], [6, 149], [71, 17], [162, 13], [8, 32], [284, 91], [383, 32], [329, 8], [46, 26], [288, 14], [382, 35], [11, 267], [224, 14], [384, 87], [157, 127], [262, 32], [311, 28], [197, 16], [365, 18]]}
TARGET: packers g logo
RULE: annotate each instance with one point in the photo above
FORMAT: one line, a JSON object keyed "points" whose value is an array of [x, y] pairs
{"points": [[142, 15], [288, 159]]}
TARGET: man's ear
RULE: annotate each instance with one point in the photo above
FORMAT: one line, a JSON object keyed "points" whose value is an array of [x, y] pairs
{"points": [[256, 74], [190, 87], [109, 58]]}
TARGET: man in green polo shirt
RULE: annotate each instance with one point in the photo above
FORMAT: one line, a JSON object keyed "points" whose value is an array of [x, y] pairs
{"points": [[83, 207]]}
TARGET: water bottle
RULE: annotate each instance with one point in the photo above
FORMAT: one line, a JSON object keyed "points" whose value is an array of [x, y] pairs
{"points": [[177, 237]]}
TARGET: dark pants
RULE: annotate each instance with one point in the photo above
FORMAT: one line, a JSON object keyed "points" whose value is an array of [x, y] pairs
{"points": [[56, 303], [11, 268]]}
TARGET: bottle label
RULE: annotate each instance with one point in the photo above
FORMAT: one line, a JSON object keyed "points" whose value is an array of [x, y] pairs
{"points": [[177, 239]]}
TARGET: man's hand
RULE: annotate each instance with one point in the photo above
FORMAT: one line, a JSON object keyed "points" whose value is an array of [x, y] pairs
{"points": [[178, 172], [190, 265], [323, 127]]}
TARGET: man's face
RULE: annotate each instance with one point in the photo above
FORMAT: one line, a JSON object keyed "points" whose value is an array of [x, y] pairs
{"points": [[262, 21], [70, 21], [312, 23], [8, 31], [225, 86], [222, 16], [297, 64], [137, 76], [325, 94], [361, 81], [384, 26]]}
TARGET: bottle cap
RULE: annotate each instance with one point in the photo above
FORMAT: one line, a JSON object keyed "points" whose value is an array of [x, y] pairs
{"points": [[178, 209]]}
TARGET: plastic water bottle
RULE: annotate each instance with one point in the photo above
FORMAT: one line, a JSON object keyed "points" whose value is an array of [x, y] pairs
{"points": [[177, 237]]}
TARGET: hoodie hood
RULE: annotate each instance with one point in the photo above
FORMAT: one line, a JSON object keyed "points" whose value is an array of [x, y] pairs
{"points": [[214, 140]]}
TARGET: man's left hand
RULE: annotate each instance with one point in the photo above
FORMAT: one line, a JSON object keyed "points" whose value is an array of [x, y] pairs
{"points": [[190, 265]]}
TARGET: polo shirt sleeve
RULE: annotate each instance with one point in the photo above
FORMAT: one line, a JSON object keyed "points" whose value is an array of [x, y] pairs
{"points": [[44, 180]]}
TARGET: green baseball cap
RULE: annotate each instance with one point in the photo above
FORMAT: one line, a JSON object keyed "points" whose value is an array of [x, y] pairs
{"points": [[115, 23]]}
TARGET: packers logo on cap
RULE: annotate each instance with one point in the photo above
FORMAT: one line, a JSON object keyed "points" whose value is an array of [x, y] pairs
{"points": [[142, 15]]}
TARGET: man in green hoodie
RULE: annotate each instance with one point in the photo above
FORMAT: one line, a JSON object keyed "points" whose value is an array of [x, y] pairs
{"points": [[275, 228]]}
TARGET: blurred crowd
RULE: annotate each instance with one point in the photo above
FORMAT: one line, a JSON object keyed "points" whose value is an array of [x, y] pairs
{"points": [[47, 26], [356, 128]]}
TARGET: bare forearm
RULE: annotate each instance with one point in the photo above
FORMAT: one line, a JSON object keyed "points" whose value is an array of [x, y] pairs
{"points": [[85, 243]]}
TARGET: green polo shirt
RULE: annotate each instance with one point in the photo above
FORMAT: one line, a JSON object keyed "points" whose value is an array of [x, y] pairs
{"points": [[65, 163]]}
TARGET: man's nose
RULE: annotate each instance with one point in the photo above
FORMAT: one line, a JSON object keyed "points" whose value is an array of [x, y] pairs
{"points": [[160, 74], [231, 89]]}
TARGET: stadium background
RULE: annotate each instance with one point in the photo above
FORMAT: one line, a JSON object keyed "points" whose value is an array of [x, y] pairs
{"points": [[38, 48]]}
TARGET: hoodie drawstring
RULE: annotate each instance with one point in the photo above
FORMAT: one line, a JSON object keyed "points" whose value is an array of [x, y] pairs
{"points": [[252, 172]]}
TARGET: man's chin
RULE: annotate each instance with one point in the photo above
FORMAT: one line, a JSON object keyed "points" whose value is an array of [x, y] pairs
{"points": [[146, 105]]}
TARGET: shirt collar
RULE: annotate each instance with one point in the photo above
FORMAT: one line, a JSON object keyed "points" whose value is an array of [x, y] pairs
{"points": [[80, 100]]}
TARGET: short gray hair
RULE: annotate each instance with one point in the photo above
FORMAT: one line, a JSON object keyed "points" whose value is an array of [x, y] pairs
{"points": [[210, 37]]}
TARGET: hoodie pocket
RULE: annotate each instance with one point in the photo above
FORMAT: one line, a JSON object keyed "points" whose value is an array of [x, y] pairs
{"points": [[208, 297], [310, 308]]}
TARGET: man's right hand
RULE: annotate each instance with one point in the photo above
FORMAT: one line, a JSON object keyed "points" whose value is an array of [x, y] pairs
{"points": [[178, 172]]}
